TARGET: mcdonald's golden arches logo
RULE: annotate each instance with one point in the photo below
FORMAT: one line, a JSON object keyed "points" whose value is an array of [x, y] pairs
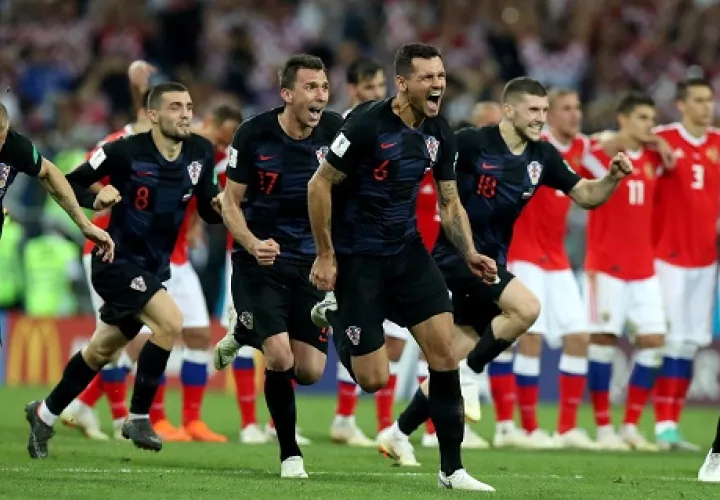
{"points": [[33, 351]]}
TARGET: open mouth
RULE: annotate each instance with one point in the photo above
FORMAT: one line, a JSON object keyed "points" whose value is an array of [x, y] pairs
{"points": [[433, 100], [535, 128], [315, 112]]}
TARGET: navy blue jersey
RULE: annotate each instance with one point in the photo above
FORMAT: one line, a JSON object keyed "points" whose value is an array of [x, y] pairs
{"points": [[494, 185], [155, 195], [384, 160], [276, 170], [18, 154]]}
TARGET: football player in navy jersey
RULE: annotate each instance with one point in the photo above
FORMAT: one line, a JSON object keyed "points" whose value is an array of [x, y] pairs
{"points": [[152, 177], [271, 160], [498, 169], [362, 210]]}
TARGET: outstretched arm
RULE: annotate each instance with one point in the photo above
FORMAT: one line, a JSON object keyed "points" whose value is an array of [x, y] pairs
{"points": [[57, 186], [590, 194], [320, 206]]}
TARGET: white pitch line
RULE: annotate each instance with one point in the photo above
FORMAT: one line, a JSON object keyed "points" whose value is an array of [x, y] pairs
{"points": [[241, 472]]}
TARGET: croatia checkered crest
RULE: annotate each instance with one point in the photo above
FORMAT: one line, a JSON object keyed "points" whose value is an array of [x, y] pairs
{"points": [[194, 171], [353, 333], [432, 146]]}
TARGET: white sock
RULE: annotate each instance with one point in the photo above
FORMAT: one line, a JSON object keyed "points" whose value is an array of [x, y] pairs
{"points": [[45, 415]]}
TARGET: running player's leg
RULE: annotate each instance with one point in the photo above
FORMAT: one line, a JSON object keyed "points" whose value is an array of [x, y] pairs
{"points": [[79, 371], [262, 298], [395, 340], [646, 317], [606, 302], [184, 286]]}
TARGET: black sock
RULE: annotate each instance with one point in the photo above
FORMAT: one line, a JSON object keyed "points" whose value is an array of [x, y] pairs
{"points": [[413, 416], [446, 411], [487, 349], [716, 444], [75, 379], [342, 347], [151, 365], [280, 399]]}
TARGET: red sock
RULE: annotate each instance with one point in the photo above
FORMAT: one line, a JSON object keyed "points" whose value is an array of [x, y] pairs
{"points": [[384, 399], [572, 388], [347, 399], [157, 410], [636, 399], [681, 390], [245, 393], [92, 392], [527, 396], [192, 401], [664, 398], [601, 407], [429, 426], [117, 397], [503, 390]]}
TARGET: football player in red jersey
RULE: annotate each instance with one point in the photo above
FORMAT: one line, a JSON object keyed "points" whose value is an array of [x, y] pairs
{"points": [[538, 257], [686, 253], [620, 282]]}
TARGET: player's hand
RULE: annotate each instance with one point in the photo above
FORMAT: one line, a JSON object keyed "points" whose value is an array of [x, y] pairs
{"points": [[665, 151], [324, 272], [139, 74], [105, 244], [107, 197], [265, 251], [216, 202], [484, 267], [620, 166]]}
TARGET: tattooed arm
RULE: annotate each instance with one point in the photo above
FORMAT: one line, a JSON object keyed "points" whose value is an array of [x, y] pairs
{"points": [[320, 206], [454, 219]]}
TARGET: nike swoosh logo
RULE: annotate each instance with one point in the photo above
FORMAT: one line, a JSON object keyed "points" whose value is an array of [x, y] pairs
{"points": [[488, 167], [387, 146], [144, 174], [266, 158]]}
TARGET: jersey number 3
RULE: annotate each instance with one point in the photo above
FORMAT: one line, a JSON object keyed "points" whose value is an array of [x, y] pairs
{"points": [[486, 186]]}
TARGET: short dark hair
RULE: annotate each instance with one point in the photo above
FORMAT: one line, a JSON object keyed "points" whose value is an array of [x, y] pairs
{"points": [[632, 100], [523, 85], [297, 62], [225, 112], [681, 92], [155, 93], [362, 69], [405, 55]]}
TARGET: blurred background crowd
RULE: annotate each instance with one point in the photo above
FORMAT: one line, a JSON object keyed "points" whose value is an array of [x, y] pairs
{"points": [[63, 77]]}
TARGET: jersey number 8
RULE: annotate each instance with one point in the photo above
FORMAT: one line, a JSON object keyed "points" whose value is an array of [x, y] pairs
{"points": [[142, 196]]}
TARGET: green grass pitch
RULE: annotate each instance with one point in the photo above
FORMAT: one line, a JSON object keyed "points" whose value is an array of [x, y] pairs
{"points": [[78, 468]]}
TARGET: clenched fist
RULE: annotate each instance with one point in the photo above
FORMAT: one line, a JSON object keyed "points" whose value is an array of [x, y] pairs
{"points": [[620, 166], [107, 197]]}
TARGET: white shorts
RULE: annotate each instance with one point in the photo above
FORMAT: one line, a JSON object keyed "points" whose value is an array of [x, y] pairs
{"points": [[612, 303], [395, 331], [562, 310], [689, 297], [184, 287], [227, 303]]}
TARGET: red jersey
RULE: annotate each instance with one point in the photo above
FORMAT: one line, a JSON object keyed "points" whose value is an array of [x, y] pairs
{"points": [[539, 233], [102, 219], [619, 233], [687, 199], [428, 219]]}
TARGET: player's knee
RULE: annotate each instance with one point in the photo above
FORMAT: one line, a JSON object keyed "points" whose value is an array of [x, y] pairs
{"points": [[527, 311], [308, 375], [530, 344], [374, 381], [97, 355], [653, 341], [278, 354], [169, 326], [607, 339], [196, 338], [576, 344]]}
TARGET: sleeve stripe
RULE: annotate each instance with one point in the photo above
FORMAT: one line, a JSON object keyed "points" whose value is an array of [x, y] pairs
{"points": [[594, 166]]}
